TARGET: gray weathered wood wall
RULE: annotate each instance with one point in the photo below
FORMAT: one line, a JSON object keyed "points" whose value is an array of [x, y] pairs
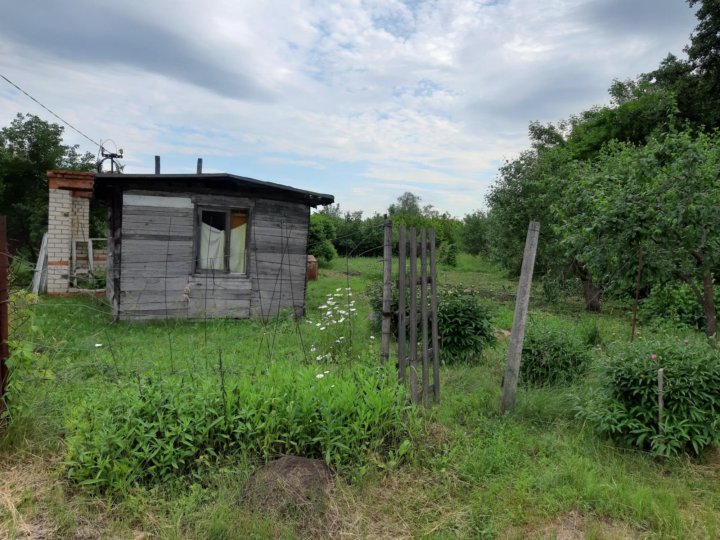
{"points": [[157, 262]]}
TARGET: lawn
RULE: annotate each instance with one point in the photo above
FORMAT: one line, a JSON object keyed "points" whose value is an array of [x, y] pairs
{"points": [[469, 473]]}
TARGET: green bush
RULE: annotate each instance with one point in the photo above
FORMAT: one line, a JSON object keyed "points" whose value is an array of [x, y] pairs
{"points": [[463, 324], [552, 354], [624, 405], [448, 254], [158, 430], [674, 303]]}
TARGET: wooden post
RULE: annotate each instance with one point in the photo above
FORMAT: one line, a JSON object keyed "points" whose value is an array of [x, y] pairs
{"points": [[512, 370], [424, 317], [157, 164], [199, 165], [4, 324], [387, 293], [434, 314], [661, 398], [412, 322], [402, 320], [637, 294]]}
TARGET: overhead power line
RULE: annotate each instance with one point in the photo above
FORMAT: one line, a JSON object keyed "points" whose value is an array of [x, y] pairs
{"points": [[53, 113]]}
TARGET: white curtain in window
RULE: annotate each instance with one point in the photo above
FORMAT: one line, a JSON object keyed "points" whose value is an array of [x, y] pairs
{"points": [[212, 248], [237, 249]]}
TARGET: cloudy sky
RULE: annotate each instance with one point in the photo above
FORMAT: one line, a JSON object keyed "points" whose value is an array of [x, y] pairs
{"points": [[361, 99]]}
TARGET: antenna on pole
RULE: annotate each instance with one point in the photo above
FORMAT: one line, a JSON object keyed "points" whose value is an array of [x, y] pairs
{"points": [[105, 155]]}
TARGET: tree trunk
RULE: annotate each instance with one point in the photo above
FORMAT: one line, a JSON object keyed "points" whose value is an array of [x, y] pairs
{"points": [[590, 290], [708, 303]]}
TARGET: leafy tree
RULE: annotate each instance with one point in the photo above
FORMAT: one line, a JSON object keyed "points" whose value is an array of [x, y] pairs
{"points": [[474, 234], [29, 147], [321, 234], [662, 197]]}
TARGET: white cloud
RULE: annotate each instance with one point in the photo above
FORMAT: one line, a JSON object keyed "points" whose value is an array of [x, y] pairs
{"points": [[427, 95]]}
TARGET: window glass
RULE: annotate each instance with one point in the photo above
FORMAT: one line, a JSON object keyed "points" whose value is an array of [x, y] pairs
{"points": [[238, 235], [213, 226]]}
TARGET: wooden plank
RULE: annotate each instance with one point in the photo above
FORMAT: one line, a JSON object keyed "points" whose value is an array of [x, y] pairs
{"points": [[143, 211], [40, 267], [156, 201], [386, 293], [143, 269], [434, 314], [413, 315], [402, 329], [424, 317]]}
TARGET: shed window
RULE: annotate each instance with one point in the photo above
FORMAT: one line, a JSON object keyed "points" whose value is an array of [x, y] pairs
{"points": [[222, 240]]}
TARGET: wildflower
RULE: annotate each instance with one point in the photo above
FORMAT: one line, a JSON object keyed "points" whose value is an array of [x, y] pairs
{"points": [[326, 372], [320, 357], [341, 338], [323, 306], [653, 356], [319, 375], [372, 337], [322, 328], [313, 349], [341, 320], [318, 324], [98, 344], [338, 289]]}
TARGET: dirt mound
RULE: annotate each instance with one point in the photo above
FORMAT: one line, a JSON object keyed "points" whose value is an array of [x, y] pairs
{"points": [[292, 486]]}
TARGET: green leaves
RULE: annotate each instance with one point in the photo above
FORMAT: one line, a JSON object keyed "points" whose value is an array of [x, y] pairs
{"points": [[552, 355], [624, 405], [169, 429]]}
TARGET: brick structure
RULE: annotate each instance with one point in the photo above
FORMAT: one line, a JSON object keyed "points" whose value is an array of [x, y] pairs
{"points": [[68, 218]]}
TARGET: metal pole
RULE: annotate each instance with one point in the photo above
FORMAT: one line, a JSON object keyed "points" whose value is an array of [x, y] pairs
{"points": [[512, 370]]}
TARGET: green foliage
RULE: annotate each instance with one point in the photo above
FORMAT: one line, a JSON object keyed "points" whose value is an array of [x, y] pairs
{"points": [[661, 198], [159, 430], [553, 354], [463, 324], [25, 365], [29, 147], [474, 233], [320, 237], [21, 273], [671, 303], [624, 405], [448, 254]]}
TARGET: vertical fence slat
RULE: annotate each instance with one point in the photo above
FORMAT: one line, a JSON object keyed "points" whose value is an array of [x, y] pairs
{"points": [[4, 324], [412, 323], [424, 316], [387, 293], [433, 313], [402, 326]]}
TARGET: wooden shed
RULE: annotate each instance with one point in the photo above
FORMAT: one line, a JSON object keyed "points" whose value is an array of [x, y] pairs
{"points": [[205, 245]]}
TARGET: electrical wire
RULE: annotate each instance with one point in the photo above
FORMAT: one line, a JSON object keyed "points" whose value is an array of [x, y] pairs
{"points": [[53, 112]]}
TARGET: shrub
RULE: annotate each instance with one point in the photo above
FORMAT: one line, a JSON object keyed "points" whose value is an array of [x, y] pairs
{"points": [[624, 405], [320, 236], [675, 303], [448, 254], [464, 326], [155, 431], [552, 354]]}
